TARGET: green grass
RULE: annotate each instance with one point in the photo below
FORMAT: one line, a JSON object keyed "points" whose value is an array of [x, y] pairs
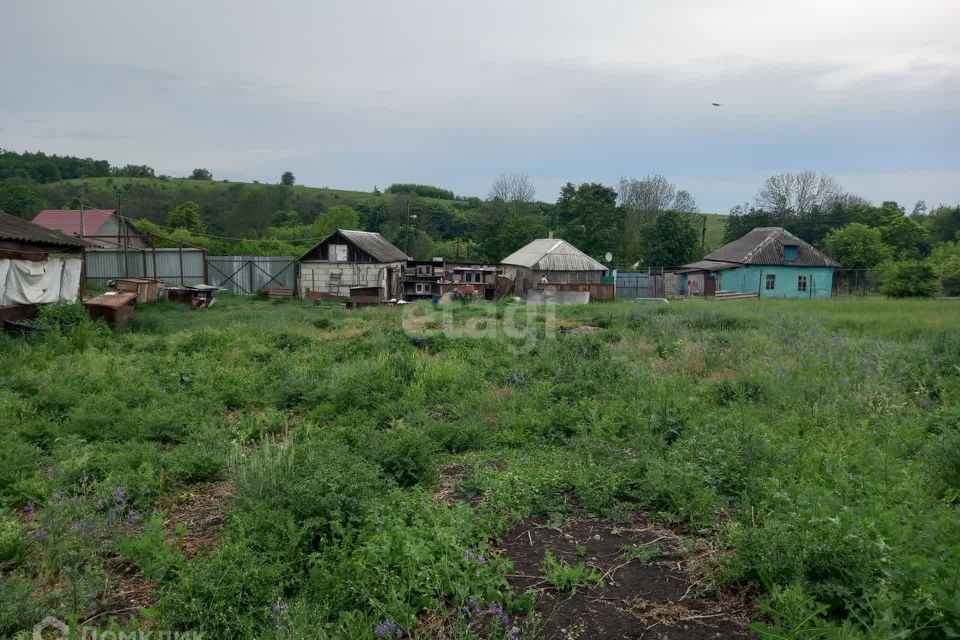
{"points": [[814, 443]]}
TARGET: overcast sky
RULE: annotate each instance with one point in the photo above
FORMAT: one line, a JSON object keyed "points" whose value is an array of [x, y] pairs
{"points": [[359, 93]]}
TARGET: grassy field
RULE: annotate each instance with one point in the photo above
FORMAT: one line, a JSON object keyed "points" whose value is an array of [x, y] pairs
{"points": [[286, 471]]}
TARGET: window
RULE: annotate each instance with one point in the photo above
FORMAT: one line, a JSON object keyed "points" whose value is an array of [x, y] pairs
{"points": [[790, 253], [424, 270], [771, 282], [423, 287], [338, 253], [801, 283]]}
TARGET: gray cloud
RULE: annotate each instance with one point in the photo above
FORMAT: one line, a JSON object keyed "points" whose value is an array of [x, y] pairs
{"points": [[456, 93]]}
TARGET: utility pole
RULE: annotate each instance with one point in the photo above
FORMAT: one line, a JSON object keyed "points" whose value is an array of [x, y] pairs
{"points": [[703, 238]]}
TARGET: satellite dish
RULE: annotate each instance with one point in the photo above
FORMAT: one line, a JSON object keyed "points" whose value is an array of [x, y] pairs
{"points": [[608, 256]]}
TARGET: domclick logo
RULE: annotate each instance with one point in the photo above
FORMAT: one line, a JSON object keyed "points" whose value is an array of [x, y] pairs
{"points": [[51, 628], [521, 326]]}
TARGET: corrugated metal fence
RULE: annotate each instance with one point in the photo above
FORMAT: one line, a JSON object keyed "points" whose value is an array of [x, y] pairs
{"points": [[173, 266], [237, 274], [635, 284], [248, 274]]}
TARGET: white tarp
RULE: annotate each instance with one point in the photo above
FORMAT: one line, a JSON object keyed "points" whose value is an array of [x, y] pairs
{"points": [[27, 282]]}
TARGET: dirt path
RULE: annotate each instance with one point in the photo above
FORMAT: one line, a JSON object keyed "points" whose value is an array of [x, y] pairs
{"points": [[654, 598]]}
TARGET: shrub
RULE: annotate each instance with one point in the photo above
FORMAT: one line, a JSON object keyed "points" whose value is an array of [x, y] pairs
{"points": [[457, 437], [152, 552], [14, 543], [405, 454], [63, 317], [910, 279]]}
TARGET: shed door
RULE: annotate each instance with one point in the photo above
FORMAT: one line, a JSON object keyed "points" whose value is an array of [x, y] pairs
{"points": [[710, 286]]}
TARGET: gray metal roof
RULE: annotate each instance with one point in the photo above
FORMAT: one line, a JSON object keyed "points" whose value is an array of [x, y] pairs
{"points": [[14, 228], [764, 245], [376, 245], [551, 254], [709, 265]]}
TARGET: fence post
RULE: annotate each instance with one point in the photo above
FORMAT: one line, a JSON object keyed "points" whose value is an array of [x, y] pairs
{"points": [[180, 255]]}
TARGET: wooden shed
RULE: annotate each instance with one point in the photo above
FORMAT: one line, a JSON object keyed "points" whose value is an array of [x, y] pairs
{"points": [[347, 259], [37, 266]]}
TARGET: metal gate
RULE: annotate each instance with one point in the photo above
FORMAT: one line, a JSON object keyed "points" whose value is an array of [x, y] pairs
{"points": [[635, 284], [246, 275]]}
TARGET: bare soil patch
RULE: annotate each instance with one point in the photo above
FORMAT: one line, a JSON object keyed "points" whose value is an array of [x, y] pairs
{"points": [[200, 512], [656, 600]]}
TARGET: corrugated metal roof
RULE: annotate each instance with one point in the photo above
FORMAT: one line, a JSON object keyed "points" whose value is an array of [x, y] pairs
{"points": [[709, 265], [68, 220], [764, 245], [372, 243], [14, 228], [551, 254]]}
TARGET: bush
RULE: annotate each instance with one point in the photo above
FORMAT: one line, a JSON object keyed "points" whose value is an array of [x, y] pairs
{"points": [[63, 317], [405, 454], [14, 543], [910, 279]]}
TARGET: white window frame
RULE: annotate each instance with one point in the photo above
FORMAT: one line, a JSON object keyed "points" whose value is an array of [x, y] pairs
{"points": [[423, 287], [803, 283], [770, 282]]}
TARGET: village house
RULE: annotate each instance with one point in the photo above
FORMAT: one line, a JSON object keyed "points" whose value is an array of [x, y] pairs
{"points": [[37, 266], [766, 262], [101, 228], [351, 260], [558, 268]]}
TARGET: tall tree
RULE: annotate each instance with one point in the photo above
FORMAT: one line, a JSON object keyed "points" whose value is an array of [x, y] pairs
{"points": [[186, 216], [797, 193], [287, 179], [590, 218], [201, 174], [672, 241], [857, 246]]}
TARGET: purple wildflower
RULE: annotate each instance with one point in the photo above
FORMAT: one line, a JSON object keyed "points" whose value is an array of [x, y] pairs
{"points": [[387, 629], [119, 495], [924, 403], [481, 560], [133, 517], [29, 509], [144, 490], [42, 533], [468, 555], [84, 480], [101, 505], [58, 498], [475, 604]]}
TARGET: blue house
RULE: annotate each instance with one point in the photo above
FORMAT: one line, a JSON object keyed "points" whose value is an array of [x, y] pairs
{"points": [[770, 262]]}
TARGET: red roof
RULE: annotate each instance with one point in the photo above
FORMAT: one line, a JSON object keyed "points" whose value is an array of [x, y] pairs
{"points": [[68, 220]]}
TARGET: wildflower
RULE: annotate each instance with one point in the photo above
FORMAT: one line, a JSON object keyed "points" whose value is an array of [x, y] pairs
{"points": [[782, 371], [387, 629], [468, 555], [924, 403], [29, 509], [58, 498], [481, 560], [84, 480], [279, 608], [42, 533], [119, 495], [475, 604], [133, 517], [144, 489]]}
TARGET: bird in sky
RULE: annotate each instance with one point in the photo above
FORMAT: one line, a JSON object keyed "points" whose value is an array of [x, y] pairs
{"points": [[716, 104]]}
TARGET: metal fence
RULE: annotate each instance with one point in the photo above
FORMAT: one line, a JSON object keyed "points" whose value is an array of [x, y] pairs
{"points": [[248, 274], [242, 275], [173, 266]]}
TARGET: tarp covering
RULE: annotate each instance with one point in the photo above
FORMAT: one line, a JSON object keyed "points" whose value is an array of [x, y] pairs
{"points": [[27, 282]]}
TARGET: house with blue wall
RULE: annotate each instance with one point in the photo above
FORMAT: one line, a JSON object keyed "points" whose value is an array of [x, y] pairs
{"points": [[770, 262]]}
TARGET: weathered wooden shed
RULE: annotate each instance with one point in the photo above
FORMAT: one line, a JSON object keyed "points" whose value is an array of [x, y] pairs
{"points": [[37, 266], [347, 259], [553, 262]]}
